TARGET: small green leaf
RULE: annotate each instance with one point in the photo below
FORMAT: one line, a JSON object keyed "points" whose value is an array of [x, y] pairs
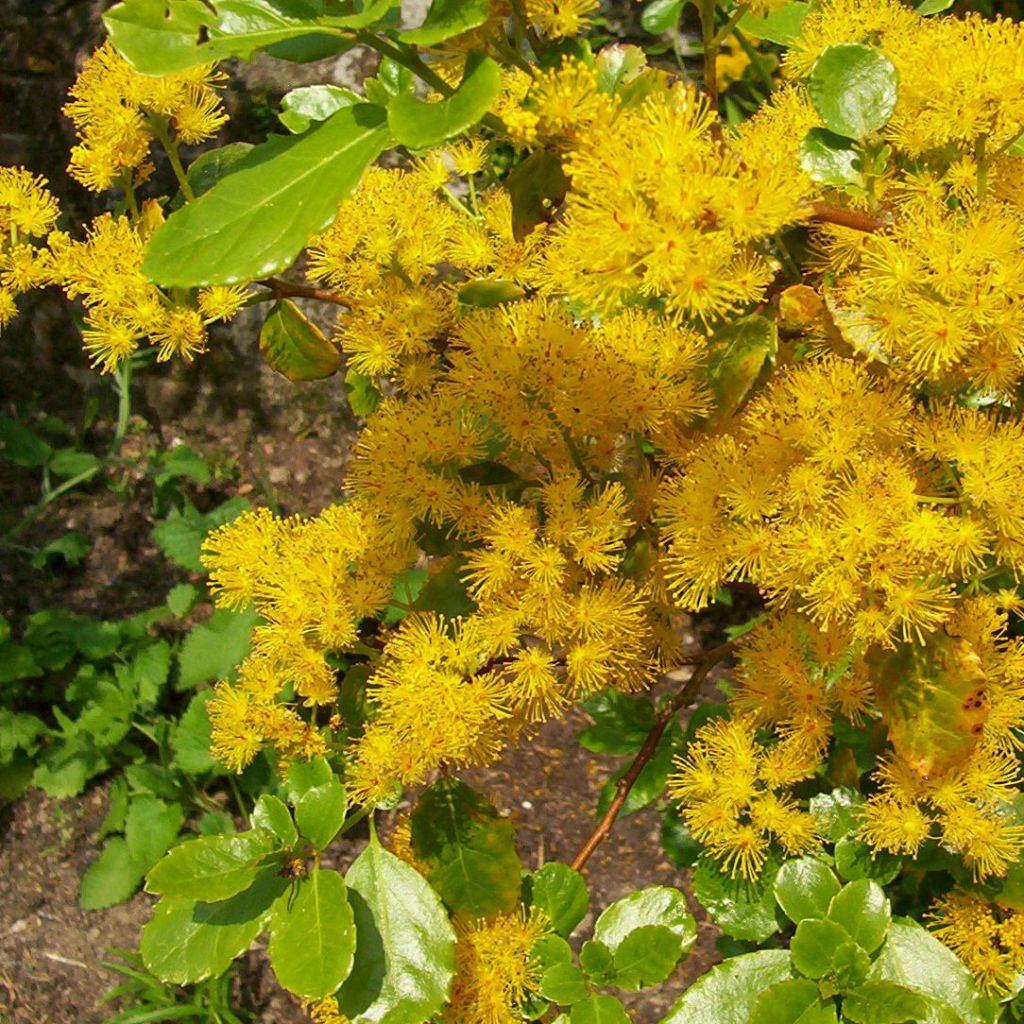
{"points": [[598, 961], [150, 826], [646, 956], [835, 812], [883, 1002], [741, 908], [855, 859], [320, 813], [271, 815], [309, 103], [183, 597], [447, 18], [829, 159], [853, 87], [111, 878], [563, 984], [117, 808], [804, 888], [17, 663], [617, 65], [536, 187], [213, 648], [793, 1002], [727, 993], [191, 737], [405, 950], [70, 548], [552, 949], [467, 849], [180, 536], [419, 125], [736, 356], [650, 783], [598, 1009], [313, 936], [305, 775], [781, 26], [661, 16], [655, 904], [862, 908], [561, 893], [850, 965], [22, 447], [211, 868], [927, 7], [255, 222], [445, 592], [486, 293], [814, 944], [185, 941], [621, 723], [678, 845], [296, 348], [363, 397]]}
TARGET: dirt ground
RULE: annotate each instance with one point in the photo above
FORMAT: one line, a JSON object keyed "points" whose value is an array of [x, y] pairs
{"points": [[283, 444]]}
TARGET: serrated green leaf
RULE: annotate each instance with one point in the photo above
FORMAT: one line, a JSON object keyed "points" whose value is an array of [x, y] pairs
{"points": [[213, 648], [814, 944], [835, 812], [447, 18], [180, 536], [320, 813], [598, 1009], [598, 961], [563, 984], [855, 859], [183, 597], [678, 845], [277, 197], [191, 737], [419, 125], [467, 849], [781, 26], [561, 893], [17, 662], [804, 888], [621, 723], [69, 548], [313, 935], [741, 908], [111, 878], [211, 868], [862, 908], [405, 951], [850, 965], [150, 826], [363, 397], [117, 808], [853, 88], [310, 103]]}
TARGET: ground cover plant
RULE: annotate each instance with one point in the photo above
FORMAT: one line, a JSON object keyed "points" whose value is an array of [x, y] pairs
{"points": [[629, 339]]}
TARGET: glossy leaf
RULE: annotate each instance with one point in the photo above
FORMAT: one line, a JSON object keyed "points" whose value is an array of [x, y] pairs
{"points": [[447, 18], [256, 221], [796, 1001], [650, 783], [536, 187], [210, 167], [804, 888], [296, 348], [305, 775], [727, 993], [419, 125], [467, 849], [814, 945], [743, 909], [211, 868], [617, 65], [653, 905], [320, 813], [853, 87], [598, 1009], [646, 956], [850, 965], [561, 893], [835, 812], [271, 815], [927, 7], [780, 26], [736, 356], [150, 826], [883, 1002], [661, 16], [563, 984], [405, 950], [862, 908], [829, 159], [487, 293], [313, 935], [312, 103]]}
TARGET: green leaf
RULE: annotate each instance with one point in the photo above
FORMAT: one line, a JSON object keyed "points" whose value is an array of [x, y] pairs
{"points": [[814, 945], [598, 961], [646, 956], [598, 1009], [17, 663], [678, 845], [621, 723], [829, 159], [405, 951], [850, 965], [655, 904], [271, 814], [486, 293], [743, 909], [320, 813], [313, 935], [419, 125], [835, 812], [883, 1002], [661, 16], [183, 597], [22, 447], [70, 548], [180, 536], [445, 592], [309, 103], [117, 808], [536, 187], [211, 868], [213, 648], [182, 463], [447, 18], [780, 26], [191, 737], [853, 88], [792, 1002], [862, 908], [296, 348], [306, 775], [927, 7], [727, 993], [150, 827], [855, 859], [203, 173], [256, 222], [736, 356], [914, 958], [561, 893], [563, 984], [804, 888], [552, 949], [111, 878], [617, 65], [185, 941], [68, 462], [467, 849], [363, 397]]}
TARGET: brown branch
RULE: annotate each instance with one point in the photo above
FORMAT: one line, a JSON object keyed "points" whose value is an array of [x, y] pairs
{"points": [[282, 289], [846, 218], [685, 697]]}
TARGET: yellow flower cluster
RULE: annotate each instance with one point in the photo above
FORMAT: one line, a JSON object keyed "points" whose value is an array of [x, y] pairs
{"points": [[733, 800], [989, 939], [494, 968], [558, 19], [117, 112]]}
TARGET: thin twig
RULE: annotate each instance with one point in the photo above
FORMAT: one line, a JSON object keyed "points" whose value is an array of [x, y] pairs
{"points": [[846, 218], [685, 697], [282, 289]]}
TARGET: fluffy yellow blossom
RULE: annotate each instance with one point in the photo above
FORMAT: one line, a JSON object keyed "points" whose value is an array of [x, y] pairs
{"points": [[558, 19], [27, 207], [495, 968], [325, 1011], [989, 939]]}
